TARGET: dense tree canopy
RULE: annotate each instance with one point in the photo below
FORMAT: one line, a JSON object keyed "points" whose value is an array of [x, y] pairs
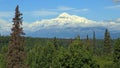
{"points": [[116, 55]]}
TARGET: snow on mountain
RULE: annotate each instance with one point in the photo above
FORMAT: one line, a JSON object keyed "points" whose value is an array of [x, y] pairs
{"points": [[65, 25], [64, 20], [65, 17]]}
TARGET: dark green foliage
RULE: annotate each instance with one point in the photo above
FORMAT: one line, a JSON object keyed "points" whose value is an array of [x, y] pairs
{"points": [[94, 39], [3, 52], [74, 55], [36, 48], [80, 57], [55, 42], [41, 56], [4, 40], [107, 43], [116, 56]]}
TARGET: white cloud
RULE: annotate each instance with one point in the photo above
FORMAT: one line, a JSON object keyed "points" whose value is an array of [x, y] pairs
{"points": [[118, 20], [65, 8], [43, 13], [5, 14], [4, 26], [56, 11], [81, 10], [113, 7], [85, 9]]}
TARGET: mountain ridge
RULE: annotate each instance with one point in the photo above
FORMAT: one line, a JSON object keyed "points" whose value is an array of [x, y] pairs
{"points": [[66, 25]]}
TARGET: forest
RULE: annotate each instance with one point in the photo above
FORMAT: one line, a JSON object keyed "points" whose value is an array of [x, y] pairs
{"points": [[66, 53], [17, 51]]}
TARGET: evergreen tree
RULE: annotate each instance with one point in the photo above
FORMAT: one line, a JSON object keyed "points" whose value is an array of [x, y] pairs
{"points": [[87, 39], [55, 42], [78, 38], [77, 41], [107, 42], [94, 42], [16, 52], [41, 56], [94, 39], [0, 41], [87, 43], [79, 57], [116, 55]]}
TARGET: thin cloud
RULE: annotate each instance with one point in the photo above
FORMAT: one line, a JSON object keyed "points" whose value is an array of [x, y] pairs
{"points": [[113, 7], [81, 10], [5, 14], [84, 10], [4, 26], [64, 8], [43, 13], [56, 11], [116, 1]]}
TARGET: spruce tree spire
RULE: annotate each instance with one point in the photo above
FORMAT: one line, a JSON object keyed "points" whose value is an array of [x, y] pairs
{"points": [[94, 42], [87, 42], [107, 42], [16, 52], [94, 39], [18, 18]]}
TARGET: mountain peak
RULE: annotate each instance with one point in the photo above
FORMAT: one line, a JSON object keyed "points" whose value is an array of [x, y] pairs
{"points": [[65, 17], [64, 14]]}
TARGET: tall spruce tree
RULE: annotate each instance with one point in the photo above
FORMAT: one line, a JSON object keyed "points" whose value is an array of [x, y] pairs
{"points": [[87, 40], [16, 52], [87, 43], [94, 39], [94, 42], [107, 42]]}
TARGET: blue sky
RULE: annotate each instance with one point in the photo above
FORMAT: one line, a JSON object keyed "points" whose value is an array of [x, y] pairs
{"points": [[44, 9]]}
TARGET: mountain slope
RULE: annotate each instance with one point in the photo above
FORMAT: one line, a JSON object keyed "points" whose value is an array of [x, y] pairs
{"points": [[67, 26]]}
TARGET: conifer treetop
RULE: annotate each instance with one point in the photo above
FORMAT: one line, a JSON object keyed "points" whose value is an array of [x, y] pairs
{"points": [[17, 18]]}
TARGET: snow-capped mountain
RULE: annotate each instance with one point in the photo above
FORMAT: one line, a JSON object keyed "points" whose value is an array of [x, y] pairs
{"points": [[64, 20], [66, 26], [65, 17]]}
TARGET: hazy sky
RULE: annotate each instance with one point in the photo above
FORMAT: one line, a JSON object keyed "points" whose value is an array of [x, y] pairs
{"points": [[33, 10]]}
